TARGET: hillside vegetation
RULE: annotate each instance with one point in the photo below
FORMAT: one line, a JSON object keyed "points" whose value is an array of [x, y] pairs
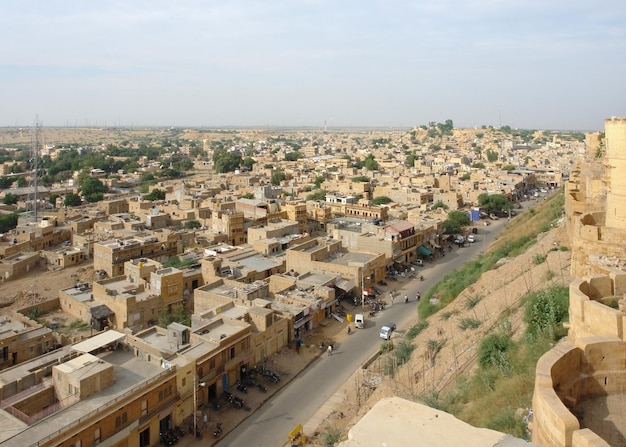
{"points": [[474, 349]]}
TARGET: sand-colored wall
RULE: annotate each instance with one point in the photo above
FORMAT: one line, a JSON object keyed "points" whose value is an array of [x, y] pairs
{"points": [[568, 374], [590, 363]]}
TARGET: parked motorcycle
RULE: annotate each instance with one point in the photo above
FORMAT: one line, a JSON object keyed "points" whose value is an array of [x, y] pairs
{"points": [[261, 387], [218, 430], [241, 387]]}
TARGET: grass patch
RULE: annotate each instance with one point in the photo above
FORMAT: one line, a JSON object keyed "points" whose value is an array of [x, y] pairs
{"points": [[386, 346], [519, 235], [468, 323], [415, 330], [331, 435], [78, 325], [35, 314], [505, 379], [472, 301]]}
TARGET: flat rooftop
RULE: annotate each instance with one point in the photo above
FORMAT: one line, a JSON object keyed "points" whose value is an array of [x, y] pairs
{"points": [[129, 371]]}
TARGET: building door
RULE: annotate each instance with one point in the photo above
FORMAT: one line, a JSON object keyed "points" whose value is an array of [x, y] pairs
{"points": [[144, 438]]}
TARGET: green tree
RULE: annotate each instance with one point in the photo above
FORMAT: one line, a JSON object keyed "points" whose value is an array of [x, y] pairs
{"points": [[248, 195], [155, 194], [5, 182], [381, 200], [455, 221], [494, 203], [8, 222], [146, 177], [21, 182], [319, 180], [53, 199], [509, 167], [410, 160], [248, 163], [177, 314], [439, 204], [492, 156], [370, 163], [293, 156], [360, 179], [92, 189], [10, 199], [72, 199], [192, 225], [224, 161], [465, 177], [319, 194], [277, 177]]}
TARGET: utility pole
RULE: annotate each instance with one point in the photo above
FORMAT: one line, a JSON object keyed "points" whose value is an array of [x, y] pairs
{"points": [[35, 157]]}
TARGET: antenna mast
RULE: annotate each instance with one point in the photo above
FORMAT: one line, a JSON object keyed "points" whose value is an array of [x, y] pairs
{"points": [[35, 167]]}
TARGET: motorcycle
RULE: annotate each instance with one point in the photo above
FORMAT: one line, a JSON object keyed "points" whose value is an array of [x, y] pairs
{"points": [[261, 387], [241, 387], [218, 430], [421, 277]]}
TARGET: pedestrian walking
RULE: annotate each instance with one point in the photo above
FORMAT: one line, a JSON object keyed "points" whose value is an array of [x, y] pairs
{"points": [[330, 350], [418, 296]]}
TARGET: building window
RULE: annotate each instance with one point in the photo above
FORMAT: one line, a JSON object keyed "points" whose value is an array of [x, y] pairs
{"points": [[144, 408], [96, 436], [232, 352]]}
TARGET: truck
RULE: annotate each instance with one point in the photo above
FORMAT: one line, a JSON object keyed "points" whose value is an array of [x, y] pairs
{"points": [[359, 321]]}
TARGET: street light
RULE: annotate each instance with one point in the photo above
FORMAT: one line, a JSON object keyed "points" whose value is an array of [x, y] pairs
{"points": [[195, 403]]}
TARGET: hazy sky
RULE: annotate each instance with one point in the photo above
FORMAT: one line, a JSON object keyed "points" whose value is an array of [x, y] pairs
{"points": [[534, 64]]}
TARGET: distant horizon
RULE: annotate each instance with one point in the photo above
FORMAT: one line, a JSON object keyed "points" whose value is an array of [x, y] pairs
{"points": [[276, 127]]}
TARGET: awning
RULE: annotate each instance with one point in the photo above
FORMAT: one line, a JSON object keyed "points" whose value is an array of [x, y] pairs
{"points": [[345, 285], [423, 250], [98, 341], [101, 311]]}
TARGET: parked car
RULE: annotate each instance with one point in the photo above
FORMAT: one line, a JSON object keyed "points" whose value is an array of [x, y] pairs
{"points": [[418, 262], [471, 238]]}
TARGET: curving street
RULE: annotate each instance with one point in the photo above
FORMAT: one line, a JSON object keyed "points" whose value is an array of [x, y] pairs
{"points": [[300, 400]]}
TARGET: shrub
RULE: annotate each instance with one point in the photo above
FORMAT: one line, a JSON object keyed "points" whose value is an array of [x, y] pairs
{"points": [[331, 436], [416, 330], [539, 259], [493, 351], [403, 352], [546, 310], [472, 301], [468, 323]]}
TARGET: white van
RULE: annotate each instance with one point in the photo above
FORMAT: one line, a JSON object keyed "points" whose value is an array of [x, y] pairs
{"points": [[387, 330], [359, 321]]}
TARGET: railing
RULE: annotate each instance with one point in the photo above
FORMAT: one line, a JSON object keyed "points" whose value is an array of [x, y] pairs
{"points": [[103, 408]]}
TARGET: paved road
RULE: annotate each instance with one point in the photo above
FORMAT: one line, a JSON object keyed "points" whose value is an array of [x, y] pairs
{"points": [[298, 401]]}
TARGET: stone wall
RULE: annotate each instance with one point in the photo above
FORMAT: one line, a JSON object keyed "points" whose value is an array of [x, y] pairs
{"points": [[590, 362]]}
